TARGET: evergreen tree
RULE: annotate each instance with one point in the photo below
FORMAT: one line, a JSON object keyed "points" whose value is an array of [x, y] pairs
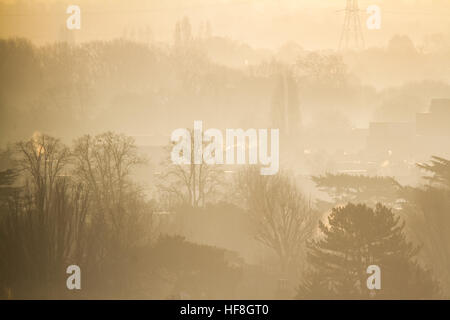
{"points": [[285, 110], [177, 34], [427, 210], [358, 188], [440, 168], [356, 237], [186, 32]]}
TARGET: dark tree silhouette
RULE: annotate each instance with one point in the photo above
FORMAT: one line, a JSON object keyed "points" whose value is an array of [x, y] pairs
{"points": [[42, 225], [440, 170], [195, 270], [427, 211], [355, 237], [345, 188], [7, 178], [67, 209]]}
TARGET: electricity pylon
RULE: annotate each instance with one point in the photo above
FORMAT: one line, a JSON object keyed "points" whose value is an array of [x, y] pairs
{"points": [[351, 36]]}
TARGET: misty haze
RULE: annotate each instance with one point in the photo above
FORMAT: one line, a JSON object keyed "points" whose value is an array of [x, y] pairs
{"points": [[359, 179]]}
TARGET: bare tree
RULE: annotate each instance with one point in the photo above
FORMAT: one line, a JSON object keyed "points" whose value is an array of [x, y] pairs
{"points": [[43, 160], [42, 229], [282, 215], [104, 163], [189, 184]]}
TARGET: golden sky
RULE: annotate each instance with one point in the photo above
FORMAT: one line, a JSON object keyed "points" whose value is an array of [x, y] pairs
{"points": [[260, 23]]}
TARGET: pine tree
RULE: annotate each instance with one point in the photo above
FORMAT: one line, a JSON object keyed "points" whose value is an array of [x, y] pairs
{"points": [[356, 237], [440, 168]]}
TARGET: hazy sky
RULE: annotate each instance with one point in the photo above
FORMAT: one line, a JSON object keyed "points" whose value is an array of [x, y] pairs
{"points": [[261, 23]]}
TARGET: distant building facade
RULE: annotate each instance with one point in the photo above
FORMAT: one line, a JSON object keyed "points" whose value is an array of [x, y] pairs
{"points": [[426, 137], [395, 138], [436, 122]]}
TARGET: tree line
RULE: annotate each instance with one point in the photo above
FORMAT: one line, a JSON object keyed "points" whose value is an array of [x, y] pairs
{"points": [[80, 205]]}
